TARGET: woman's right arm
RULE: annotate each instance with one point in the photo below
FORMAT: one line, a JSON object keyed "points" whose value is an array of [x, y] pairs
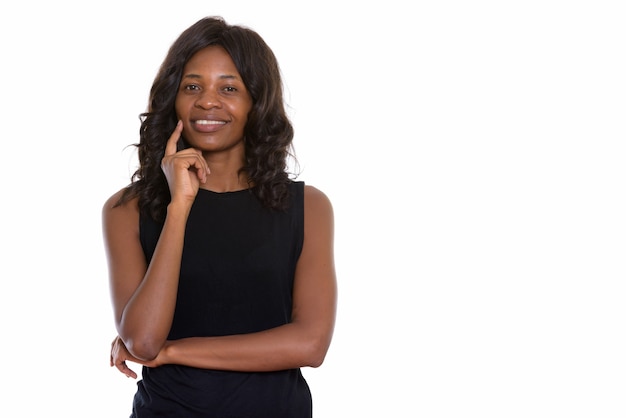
{"points": [[144, 296]]}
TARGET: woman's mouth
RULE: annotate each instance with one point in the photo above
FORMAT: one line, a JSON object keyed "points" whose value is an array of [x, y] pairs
{"points": [[205, 125]]}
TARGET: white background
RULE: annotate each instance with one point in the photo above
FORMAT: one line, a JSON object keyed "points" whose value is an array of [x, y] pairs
{"points": [[473, 151]]}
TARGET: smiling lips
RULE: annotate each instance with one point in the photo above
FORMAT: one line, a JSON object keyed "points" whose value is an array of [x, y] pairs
{"points": [[204, 125]]}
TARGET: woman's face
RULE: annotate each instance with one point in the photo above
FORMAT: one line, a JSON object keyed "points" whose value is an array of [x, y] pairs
{"points": [[213, 101]]}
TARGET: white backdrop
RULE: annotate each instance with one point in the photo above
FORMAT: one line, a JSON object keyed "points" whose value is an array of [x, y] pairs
{"points": [[474, 154]]}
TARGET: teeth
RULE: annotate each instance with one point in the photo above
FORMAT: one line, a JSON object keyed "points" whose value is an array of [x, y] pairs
{"points": [[210, 122]]}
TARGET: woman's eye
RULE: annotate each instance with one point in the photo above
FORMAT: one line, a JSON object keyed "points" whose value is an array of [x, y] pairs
{"points": [[230, 89], [191, 87]]}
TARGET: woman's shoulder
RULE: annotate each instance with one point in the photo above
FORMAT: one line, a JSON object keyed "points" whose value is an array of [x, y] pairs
{"points": [[316, 200], [313, 192], [120, 202]]}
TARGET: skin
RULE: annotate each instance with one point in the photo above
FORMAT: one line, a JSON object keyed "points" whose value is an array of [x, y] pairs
{"points": [[144, 296]]}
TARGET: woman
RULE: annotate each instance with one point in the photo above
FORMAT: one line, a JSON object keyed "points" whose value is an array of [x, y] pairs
{"points": [[221, 266]]}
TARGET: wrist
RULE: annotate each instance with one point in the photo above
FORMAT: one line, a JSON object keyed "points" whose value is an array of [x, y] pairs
{"points": [[178, 209], [166, 353]]}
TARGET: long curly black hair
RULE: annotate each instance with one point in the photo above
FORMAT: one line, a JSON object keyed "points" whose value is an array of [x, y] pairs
{"points": [[268, 133]]}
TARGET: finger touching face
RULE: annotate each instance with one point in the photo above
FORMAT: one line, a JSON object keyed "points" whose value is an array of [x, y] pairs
{"points": [[170, 147]]}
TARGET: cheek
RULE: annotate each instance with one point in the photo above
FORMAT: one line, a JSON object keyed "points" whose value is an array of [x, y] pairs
{"points": [[245, 113], [182, 104], [177, 108]]}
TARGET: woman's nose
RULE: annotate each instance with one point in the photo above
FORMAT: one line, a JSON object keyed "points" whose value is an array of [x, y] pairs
{"points": [[208, 99]]}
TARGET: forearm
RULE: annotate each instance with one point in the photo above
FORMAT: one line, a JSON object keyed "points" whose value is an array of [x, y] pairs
{"points": [[147, 317], [285, 347]]}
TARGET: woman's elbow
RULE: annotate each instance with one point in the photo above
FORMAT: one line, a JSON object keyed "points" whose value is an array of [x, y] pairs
{"points": [[144, 349], [316, 352], [317, 361]]}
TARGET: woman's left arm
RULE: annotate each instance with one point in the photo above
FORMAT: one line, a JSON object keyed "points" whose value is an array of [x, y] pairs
{"points": [[302, 342]]}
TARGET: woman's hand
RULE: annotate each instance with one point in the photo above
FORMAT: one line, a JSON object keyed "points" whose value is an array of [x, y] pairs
{"points": [[120, 355], [184, 170]]}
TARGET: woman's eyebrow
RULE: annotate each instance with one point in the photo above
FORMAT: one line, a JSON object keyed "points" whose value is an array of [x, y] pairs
{"points": [[224, 76]]}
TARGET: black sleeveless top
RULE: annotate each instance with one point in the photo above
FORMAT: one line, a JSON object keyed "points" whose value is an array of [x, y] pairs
{"points": [[236, 277]]}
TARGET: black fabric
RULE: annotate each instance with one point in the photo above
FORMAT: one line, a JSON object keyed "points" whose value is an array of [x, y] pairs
{"points": [[236, 277]]}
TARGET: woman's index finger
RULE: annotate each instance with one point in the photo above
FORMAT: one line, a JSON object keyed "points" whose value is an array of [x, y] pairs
{"points": [[170, 147]]}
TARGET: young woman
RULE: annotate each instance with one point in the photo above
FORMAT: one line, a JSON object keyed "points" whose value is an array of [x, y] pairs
{"points": [[221, 266]]}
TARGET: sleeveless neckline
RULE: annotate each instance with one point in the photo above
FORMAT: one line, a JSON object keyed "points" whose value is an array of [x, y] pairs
{"points": [[234, 193]]}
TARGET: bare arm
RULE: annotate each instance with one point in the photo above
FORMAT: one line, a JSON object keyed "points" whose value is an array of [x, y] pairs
{"points": [[143, 296]]}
